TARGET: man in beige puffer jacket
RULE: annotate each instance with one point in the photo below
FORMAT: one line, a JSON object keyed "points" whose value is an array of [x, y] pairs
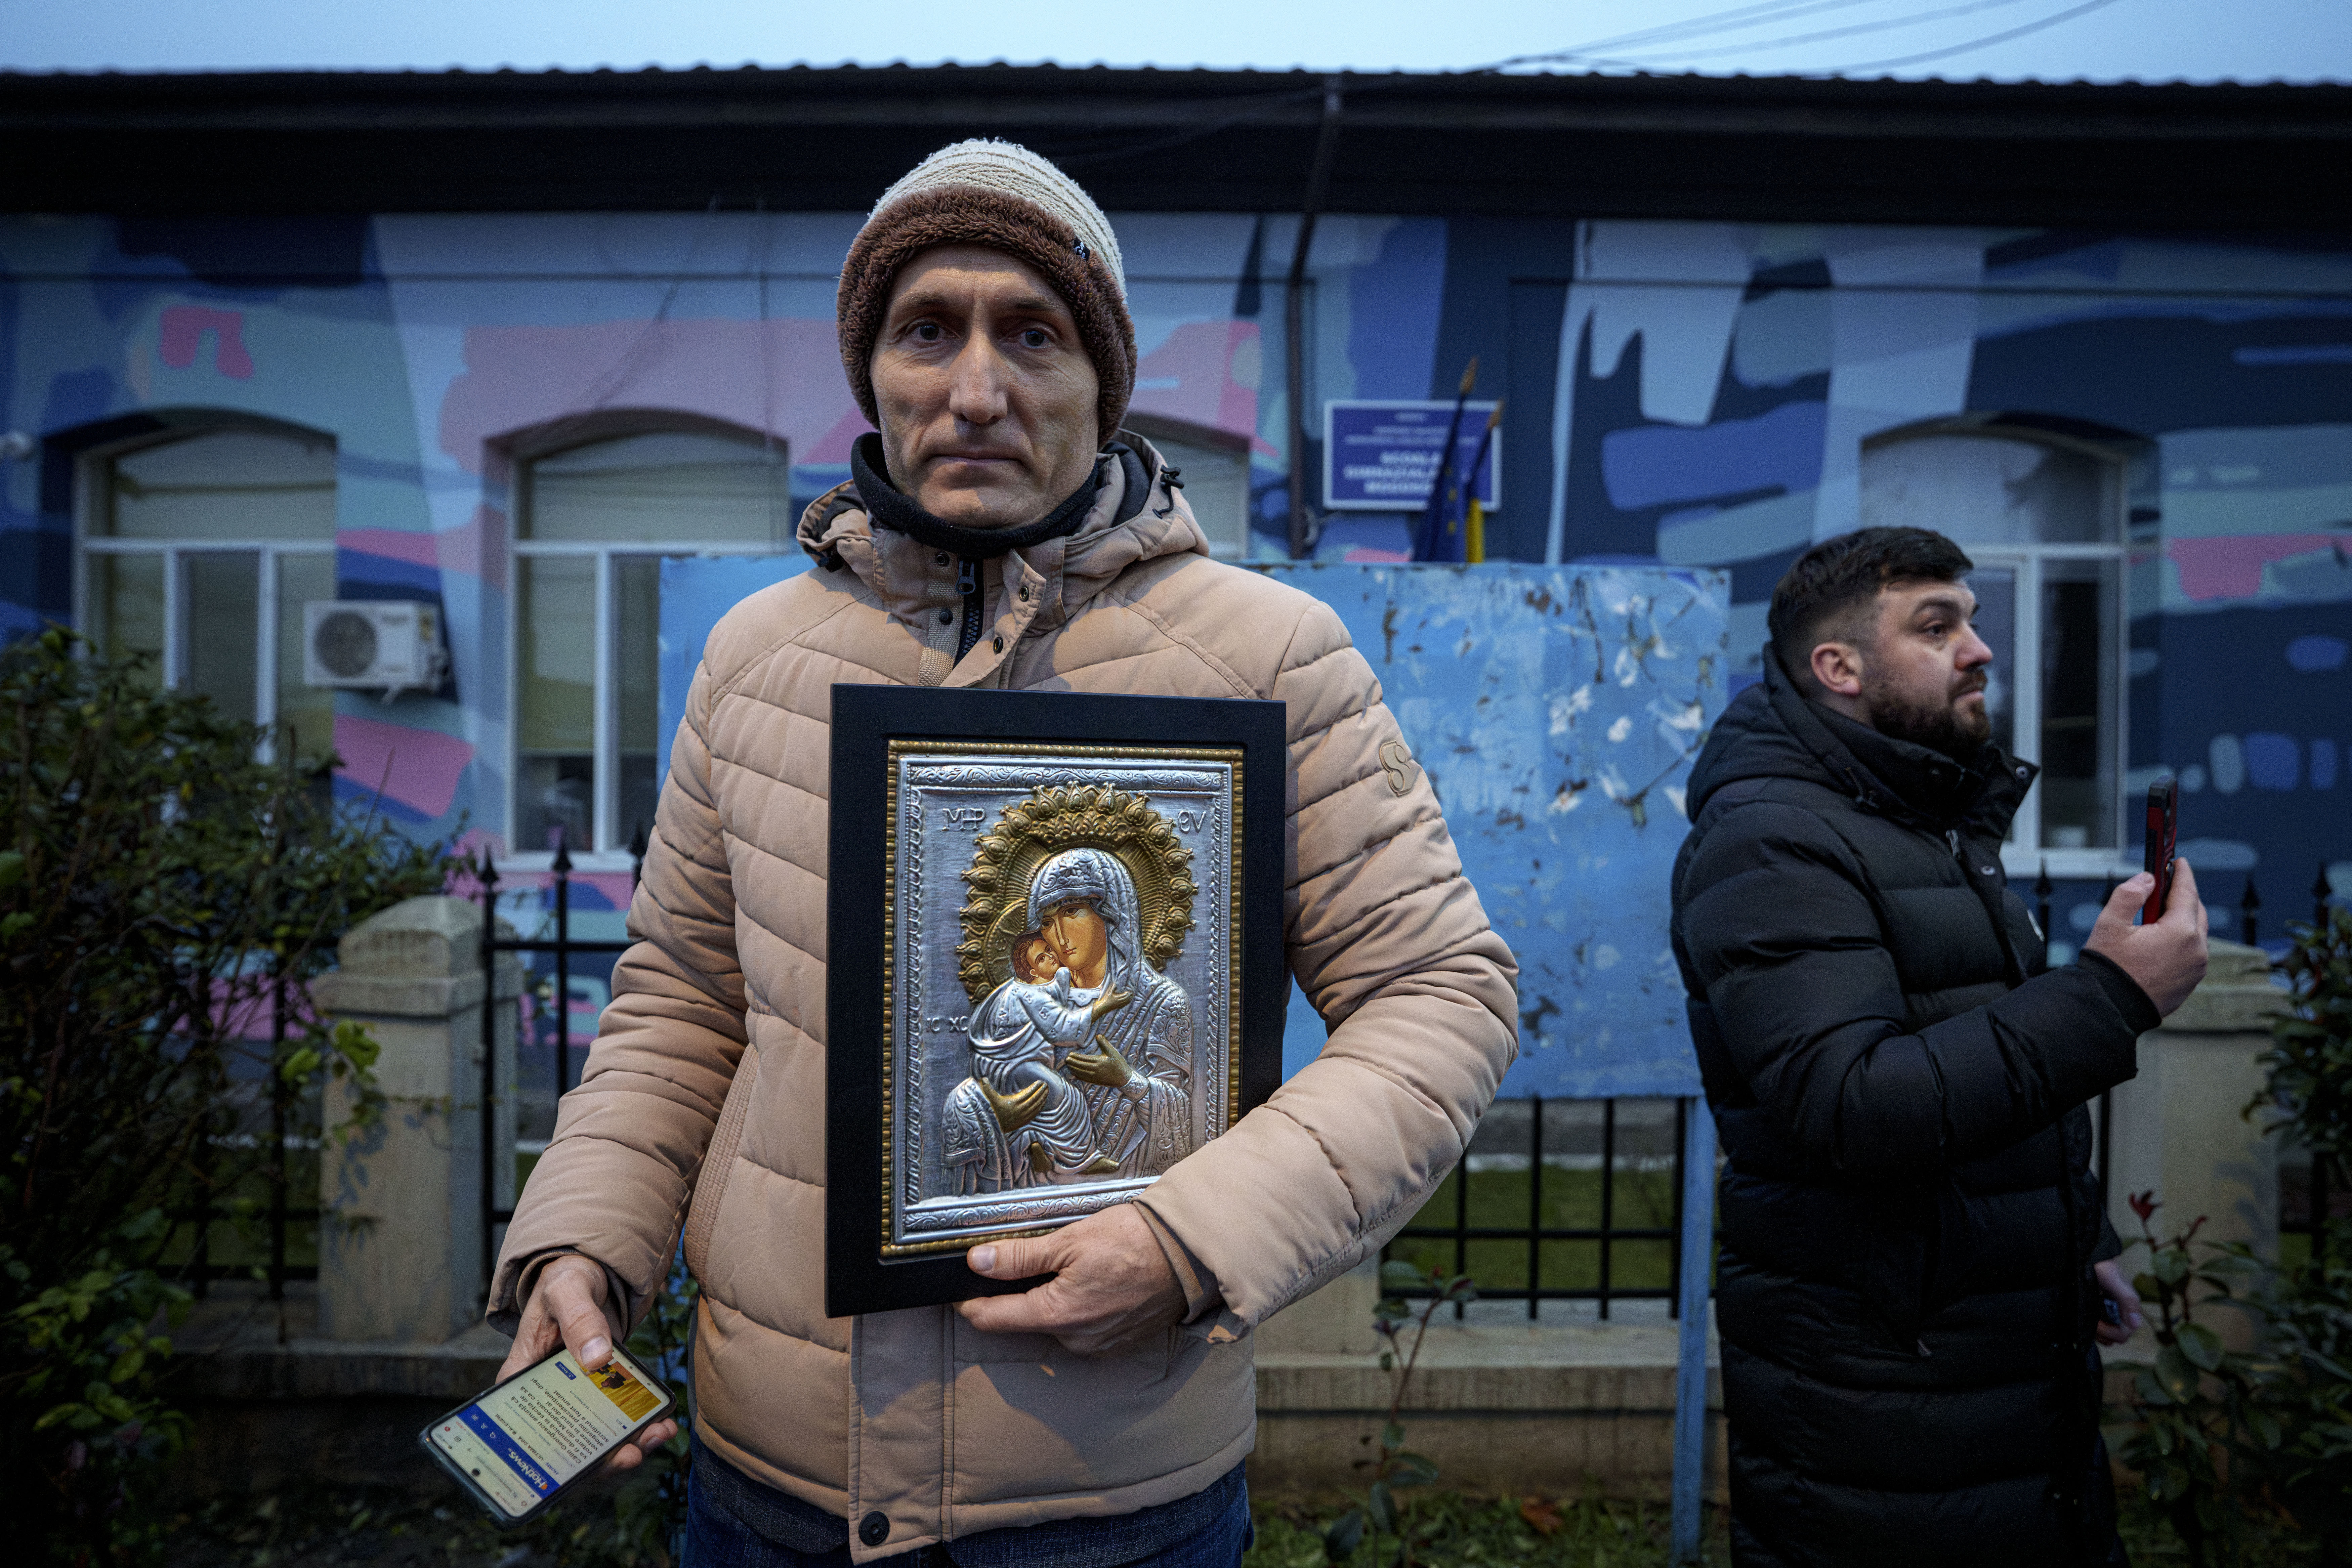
{"points": [[990, 538]]}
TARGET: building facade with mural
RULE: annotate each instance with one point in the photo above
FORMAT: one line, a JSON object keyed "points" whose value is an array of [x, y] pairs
{"points": [[497, 346]]}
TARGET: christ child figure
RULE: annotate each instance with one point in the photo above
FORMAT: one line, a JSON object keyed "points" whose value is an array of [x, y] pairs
{"points": [[1017, 1043]]}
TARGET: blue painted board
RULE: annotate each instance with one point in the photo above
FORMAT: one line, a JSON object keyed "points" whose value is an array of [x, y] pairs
{"points": [[696, 591], [1557, 709]]}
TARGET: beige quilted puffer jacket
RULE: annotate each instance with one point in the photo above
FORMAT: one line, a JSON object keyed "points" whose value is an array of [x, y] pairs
{"points": [[702, 1107]]}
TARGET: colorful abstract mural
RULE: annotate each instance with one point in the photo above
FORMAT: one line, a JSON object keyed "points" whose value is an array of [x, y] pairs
{"points": [[1678, 395]]}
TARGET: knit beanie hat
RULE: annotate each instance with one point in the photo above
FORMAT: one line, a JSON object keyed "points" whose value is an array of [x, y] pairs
{"points": [[1005, 197]]}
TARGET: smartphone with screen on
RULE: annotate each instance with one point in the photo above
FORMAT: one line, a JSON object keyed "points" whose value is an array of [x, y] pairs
{"points": [[2163, 841], [524, 1443]]}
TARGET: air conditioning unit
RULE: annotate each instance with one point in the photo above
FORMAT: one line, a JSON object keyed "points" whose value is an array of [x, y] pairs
{"points": [[391, 645]]}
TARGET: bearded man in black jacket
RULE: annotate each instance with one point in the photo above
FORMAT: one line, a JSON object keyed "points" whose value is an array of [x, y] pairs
{"points": [[1914, 1249]]}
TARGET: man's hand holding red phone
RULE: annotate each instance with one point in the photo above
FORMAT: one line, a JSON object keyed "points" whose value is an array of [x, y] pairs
{"points": [[568, 1310], [2165, 953]]}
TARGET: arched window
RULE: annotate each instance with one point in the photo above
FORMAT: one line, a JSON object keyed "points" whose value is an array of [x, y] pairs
{"points": [[594, 519], [1214, 472], [199, 547], [2042, 513]]}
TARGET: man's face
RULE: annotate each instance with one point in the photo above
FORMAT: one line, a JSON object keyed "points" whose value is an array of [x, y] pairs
{"points": [[1923, 676], [1080, 939], [986, 393]]}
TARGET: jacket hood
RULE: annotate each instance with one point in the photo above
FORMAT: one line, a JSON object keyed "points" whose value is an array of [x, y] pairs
{"points": [[1772, 731], [1139, 514]]}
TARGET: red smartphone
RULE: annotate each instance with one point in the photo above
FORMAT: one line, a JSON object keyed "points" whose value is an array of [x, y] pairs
{"points": [[2163, 838]]}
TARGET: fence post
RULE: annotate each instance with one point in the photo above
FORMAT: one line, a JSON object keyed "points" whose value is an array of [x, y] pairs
{"points": [[1534, 1206], [561, 867], [1607, 1193], [277, 1135], [2250, 912], [2319, 892], [1461, 1223], [1697, 1248], [493, 1201], [1674, 1257], [400, 1253]]}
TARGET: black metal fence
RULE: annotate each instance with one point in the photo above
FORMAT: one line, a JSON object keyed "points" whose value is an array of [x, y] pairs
{"points": [[222, 1233], [1633, 1195], [2250, 904], [562, 947], [1554, 1261]]}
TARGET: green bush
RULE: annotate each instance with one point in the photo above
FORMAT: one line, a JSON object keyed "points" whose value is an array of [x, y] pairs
{"points": [[158, 880], [2233, 1446], [2306, 1308]]}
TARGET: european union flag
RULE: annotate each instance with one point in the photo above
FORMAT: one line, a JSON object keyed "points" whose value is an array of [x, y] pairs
{"points": [[1453, 528]]}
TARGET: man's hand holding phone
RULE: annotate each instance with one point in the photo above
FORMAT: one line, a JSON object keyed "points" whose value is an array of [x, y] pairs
{"points": [[567, 1310], [2164, 959]]}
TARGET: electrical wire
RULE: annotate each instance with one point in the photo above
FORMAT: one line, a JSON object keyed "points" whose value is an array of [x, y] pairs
{"points": [[1258, 106], [1694, 27], [2052, 21], [1746, 16], [1914, 19]]}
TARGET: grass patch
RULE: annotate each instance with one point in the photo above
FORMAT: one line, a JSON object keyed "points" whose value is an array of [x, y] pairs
{"points": [[1570, 1200]]}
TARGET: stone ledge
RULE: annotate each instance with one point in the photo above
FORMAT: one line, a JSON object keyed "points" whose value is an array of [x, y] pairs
{"points": [[1471, 1368], [2236, 996], [367, 994], [1536, 1409], [348, 992], [336, 1369], [1541, 1408]]}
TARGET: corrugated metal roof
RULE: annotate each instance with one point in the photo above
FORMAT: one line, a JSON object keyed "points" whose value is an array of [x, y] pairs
{"points": [[803, 138]]}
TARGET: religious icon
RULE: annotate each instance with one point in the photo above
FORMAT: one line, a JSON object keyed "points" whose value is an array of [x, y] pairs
{"points": [[1066, 928], [1073, 1032]]}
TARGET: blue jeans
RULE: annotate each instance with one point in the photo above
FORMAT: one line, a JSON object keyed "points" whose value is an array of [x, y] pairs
{"points": [[715, 1538]]}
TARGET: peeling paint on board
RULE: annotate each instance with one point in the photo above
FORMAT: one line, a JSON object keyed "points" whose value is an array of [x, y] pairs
{"points": [[1558, 711]]}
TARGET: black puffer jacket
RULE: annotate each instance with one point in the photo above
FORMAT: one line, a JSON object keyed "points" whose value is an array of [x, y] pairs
{"points": [[1908, 1216]]}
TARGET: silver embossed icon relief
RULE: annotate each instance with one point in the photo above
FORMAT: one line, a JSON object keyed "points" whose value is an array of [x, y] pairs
{"points": [[1062, 997]]}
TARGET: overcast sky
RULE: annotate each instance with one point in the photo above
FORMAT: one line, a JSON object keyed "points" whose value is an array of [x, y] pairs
{"points": [[2100, 41]]}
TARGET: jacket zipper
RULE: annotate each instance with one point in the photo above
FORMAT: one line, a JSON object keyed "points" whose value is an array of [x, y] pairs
{"points": [[968, 585], [1952, 836]]}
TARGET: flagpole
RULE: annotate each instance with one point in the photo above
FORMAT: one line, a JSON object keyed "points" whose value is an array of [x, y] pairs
{"points": [[1433, 517], [1473, 542]]}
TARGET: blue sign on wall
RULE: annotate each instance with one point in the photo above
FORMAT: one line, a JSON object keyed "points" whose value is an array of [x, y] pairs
{"points": [[1557, 711], [1383, 456]]}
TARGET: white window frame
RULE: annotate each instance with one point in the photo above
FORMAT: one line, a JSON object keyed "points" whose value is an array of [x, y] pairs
{"points": [[2022, 855], [610, 852], [93, 473], [1159, 428]]}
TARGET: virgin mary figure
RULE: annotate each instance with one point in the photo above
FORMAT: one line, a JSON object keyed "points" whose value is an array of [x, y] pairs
{"points": [[1132, 1077]]}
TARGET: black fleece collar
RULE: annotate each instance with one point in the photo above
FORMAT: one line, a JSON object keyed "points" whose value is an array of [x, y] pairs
{"points": [[892, 508]]}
